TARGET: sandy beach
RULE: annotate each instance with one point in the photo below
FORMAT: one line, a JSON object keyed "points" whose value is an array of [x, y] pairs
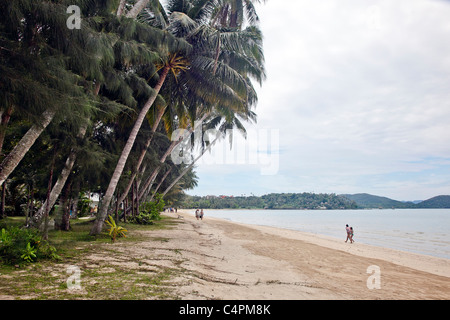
{"points": [[232, 261], [215, 259]]}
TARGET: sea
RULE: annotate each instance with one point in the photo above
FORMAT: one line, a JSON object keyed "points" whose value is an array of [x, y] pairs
{"points": [[423, 231]]}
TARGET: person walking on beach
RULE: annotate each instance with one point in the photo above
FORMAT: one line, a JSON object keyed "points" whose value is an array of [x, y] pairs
{"points": [[196, 214], [347, 228], [201, 214], [351, 235]]}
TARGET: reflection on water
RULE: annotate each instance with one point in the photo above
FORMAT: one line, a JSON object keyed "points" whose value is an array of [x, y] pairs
{"points": [[425, 231]]}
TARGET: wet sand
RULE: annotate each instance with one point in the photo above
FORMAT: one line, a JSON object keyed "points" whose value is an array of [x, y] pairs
{"points": [[233, 261]]}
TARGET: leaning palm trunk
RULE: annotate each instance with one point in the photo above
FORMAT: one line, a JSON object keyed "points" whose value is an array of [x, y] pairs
{"points": [[144, 151], [190, 166], [137, 8], [121, 7], [141, 157], [98, 226], [160, 183], [59, 185], [5, 117], [172, 146], [152, 177], [16, 155]]}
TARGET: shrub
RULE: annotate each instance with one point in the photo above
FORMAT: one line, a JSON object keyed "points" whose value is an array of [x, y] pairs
{"points": [[18, 245], [150, 211], [115, 230]]}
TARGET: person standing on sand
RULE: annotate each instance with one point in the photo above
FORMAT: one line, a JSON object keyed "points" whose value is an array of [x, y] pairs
{"points": [[201, 214], [196, 214], [347, 228]]}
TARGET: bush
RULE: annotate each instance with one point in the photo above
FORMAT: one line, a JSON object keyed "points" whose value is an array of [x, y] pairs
{"points": [[18, 245], [150, 211]]}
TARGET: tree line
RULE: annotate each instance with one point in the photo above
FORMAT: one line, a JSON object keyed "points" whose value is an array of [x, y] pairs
{"points": [[92, 108], [300, 201]]}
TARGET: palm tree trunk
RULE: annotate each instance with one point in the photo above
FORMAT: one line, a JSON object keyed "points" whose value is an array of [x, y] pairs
{"points": [[121, 7], [160, 183], [65, 218], [59, 185], [148, 184], [152, 178], [30, 200], [216, 60], [189, 167], [98, 226], [75, 202], [147, 144], [133, 213], [47, 207], [6, 115], [137, 8], [2, 206], [142, 156], [16, 155]]}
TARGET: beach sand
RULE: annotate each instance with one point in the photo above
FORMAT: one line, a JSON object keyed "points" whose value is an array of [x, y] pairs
{"points": [[232, 261]]}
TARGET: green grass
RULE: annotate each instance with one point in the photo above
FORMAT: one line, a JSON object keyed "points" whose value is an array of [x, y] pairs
{"points": [[105, 280]]}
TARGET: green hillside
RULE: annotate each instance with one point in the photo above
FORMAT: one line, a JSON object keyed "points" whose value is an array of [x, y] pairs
{"points": [[365, 200], [308, 201], [436, 202]]}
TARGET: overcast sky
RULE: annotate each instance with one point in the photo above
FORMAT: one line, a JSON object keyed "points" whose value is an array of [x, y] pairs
{"points": [[357, 99]]}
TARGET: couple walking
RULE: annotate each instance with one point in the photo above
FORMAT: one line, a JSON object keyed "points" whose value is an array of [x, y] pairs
{"points": [[199, 214], [349, 233]]}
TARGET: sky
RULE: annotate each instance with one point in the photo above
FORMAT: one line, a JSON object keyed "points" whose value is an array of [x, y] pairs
{"points": [[356, 100]]}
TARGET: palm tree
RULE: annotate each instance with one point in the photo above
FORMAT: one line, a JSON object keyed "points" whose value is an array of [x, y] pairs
{"points": [[174, 64], [60, 182], [221, 62], [209, 77], [45, 68], [223, 122], [233, 13], [183, 26], [114, 81]]}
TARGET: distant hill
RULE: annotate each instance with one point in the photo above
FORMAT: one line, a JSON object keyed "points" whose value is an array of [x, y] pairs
{"points": [[283, 201], [309, 201], [364, 200], [436, 202]]}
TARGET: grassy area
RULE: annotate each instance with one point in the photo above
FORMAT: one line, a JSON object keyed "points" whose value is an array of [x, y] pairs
{"points": [[106, 269]]}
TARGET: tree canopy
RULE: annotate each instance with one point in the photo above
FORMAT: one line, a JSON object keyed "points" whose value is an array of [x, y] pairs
{"points": [[89, 106]]}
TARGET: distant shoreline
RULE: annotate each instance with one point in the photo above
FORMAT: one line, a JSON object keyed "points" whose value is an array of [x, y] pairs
{"points": [[311, 201], [294, 209], [369, 223]]}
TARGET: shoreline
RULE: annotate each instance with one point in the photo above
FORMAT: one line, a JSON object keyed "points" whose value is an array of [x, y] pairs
{"points": [[260, 262], [333, 236], [428, 263], [216, 259]]}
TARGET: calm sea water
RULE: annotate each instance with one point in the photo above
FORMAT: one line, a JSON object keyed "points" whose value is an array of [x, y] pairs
{"points": [[424, 231]]}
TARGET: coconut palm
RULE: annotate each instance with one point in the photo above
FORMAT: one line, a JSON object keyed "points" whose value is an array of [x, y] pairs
{"points": [[216, 69], [234, 13], [221, 123], [45, 68], [187, 89], [222, 61], [173, 64]]}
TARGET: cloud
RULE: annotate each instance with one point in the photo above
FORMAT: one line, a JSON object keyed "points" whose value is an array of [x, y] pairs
{"points": [[359, 91]]}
